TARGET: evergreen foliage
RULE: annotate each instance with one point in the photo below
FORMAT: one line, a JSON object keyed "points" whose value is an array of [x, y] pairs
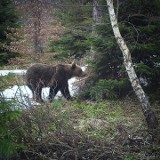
{"points": [[76, 17], [8, 20], [140, 26], [108, 60], [9, 133], [73, 43], [141, 32], [143, 40], [107, 89]]}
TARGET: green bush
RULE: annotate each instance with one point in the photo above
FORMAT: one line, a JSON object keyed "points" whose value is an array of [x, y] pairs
{"points": [[8, 20], [9, 135], [107, 89]]}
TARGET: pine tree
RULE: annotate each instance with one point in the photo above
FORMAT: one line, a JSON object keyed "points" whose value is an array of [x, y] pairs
{"points": [[141, 29], [151, 119], [8, 134], [8, 21], [139, 24], [76, 17]]}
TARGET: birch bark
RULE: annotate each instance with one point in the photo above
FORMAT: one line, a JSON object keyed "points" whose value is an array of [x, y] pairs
{"points": [[150, 117]]}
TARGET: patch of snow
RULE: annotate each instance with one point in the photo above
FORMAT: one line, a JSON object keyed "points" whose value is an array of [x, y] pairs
{"points": [[23, 95], [17, 72]]}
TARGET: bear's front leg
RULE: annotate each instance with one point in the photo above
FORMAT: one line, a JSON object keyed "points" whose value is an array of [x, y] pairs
{"points": [[65, 92], [52, 92]]}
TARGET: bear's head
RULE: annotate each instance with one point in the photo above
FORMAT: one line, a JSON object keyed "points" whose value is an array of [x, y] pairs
{"points": [[77, 71]]}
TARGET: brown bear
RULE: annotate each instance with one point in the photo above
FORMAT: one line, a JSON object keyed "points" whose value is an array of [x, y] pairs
{"points": [[56, 77]]}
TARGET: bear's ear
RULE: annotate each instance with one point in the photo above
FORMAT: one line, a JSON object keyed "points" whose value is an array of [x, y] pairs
{"points": [[73, 65]]}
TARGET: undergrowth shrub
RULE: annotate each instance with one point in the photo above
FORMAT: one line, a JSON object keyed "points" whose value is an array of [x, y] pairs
{"points": [[107, 89], [10, 143], [86, 130], [50, 131], [9, 136]]}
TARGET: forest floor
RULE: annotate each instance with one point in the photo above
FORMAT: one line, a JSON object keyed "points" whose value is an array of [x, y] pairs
{"points": [[70, 130], [83, 130]]}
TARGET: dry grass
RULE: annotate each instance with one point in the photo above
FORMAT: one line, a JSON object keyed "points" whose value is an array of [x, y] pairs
{"points": [[85, 130], [11, 80]]}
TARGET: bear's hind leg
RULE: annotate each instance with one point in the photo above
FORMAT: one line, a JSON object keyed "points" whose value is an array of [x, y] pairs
{"points": [[37, 94]]}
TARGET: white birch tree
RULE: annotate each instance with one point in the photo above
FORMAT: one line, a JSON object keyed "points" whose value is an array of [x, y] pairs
{"points": [[150, 117]]}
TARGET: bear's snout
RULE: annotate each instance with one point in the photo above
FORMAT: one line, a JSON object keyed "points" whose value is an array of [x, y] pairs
{"points": [[84, 74]]}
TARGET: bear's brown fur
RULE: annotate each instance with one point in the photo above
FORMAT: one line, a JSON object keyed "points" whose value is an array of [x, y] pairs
{"points": [[56, 77]]}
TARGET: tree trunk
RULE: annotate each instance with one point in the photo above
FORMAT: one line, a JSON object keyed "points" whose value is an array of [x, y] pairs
{"points": [[98, 13], [150, 117]]}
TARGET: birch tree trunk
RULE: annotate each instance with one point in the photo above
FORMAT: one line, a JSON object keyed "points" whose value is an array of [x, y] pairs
{"points": [[150, 117]]}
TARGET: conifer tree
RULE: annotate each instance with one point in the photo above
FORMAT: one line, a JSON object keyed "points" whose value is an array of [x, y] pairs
{"points": [[8, 134], [8, 21], [151, 119], [76, 17], [139, 25]]}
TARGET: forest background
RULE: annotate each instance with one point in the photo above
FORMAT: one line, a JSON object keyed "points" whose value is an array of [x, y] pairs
{"points": [[106, 116]]}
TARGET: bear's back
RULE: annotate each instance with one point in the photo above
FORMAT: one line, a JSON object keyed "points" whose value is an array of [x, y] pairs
{"points": [[39, 68], [44, 72]]}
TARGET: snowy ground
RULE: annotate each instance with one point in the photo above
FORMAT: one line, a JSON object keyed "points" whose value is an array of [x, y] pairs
{"points": [[23, 94], [17, 72]]}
